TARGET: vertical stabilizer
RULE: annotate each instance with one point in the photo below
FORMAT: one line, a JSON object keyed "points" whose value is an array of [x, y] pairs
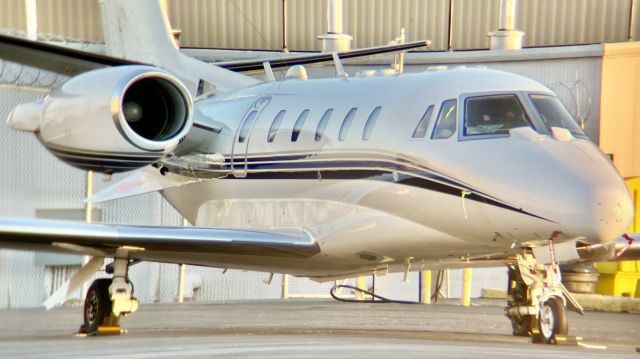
{"points": [[139, 30]]}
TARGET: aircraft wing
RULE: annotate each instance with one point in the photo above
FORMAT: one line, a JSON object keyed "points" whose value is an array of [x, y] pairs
{"points": [[104, 240], [256, 65], [70, 62], [53, 58]]}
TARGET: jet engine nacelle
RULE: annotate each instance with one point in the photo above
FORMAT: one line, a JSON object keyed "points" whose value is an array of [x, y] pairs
{"points": [[112, 119]]}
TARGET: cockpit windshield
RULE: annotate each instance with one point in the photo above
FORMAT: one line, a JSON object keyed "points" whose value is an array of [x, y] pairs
{"points": [[493, 115], [553, 114]]}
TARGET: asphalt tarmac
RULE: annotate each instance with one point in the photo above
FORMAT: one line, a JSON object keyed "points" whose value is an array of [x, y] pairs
{"points": [[310, 329]]}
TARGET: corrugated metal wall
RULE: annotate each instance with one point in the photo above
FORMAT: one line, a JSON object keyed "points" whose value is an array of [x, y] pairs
{"points": [[552, 22], [12, 14], [376, 22], [472, 20], [246, 24], [257, 24], [306, 19], [78, 19]]}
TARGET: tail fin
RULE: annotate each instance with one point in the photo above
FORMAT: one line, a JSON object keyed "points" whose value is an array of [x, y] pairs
{"points": [[139, 30]]}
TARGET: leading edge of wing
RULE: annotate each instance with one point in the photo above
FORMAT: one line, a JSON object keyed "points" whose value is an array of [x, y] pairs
{"points": [[257, 65], [58, 59], [51, 235]]}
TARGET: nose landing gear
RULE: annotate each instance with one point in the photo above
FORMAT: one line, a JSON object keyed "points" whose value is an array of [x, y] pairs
{"points": [[537, 301]]}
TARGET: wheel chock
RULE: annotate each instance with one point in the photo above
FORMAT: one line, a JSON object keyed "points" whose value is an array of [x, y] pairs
{"points": [[567, 340], [558, 339], [104, 331]]}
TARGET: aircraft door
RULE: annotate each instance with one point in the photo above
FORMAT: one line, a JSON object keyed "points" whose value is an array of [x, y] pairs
{"points": [[239, 161]]}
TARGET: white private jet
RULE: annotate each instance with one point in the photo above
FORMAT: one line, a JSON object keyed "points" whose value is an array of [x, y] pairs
{"points": [[373, 173]]}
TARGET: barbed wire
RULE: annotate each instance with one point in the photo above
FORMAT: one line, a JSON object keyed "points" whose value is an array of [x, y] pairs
{"points": [[577, 98]]}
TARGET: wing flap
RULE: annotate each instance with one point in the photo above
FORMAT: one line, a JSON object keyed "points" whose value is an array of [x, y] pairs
{"points": [[47, 235]]}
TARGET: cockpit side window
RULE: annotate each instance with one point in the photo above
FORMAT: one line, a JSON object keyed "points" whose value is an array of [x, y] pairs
{"points": [[493, 115], [447, 118], [554, 114], [421, 129]]}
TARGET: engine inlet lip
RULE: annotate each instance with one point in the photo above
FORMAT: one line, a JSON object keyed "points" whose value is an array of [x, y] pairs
{"points": [[139, 73]]}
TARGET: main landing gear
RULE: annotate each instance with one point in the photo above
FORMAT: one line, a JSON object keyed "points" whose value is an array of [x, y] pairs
{"points": [[109, 299], [537, 301]]}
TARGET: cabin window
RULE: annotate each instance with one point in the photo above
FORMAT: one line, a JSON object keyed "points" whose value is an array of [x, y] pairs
{"points": [[298, 125], [371, 121], [322, 125], [554, 114], [421, 129], [493, 115], [275, 125], [447, 118], [346, 123], [246, 126]]}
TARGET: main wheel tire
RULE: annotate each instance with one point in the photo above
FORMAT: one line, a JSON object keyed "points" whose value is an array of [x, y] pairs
{"points": [[552, 319], [97, 307]]}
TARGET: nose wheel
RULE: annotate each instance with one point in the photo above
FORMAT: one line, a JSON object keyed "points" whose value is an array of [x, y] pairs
{"points": [[552, 320], [536, 301]]}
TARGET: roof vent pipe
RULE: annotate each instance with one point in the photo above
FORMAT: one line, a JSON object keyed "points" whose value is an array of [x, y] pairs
{"points": [[334, 40], [506, 37]]}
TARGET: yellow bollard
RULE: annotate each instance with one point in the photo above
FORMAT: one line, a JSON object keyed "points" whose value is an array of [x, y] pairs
{"points": [[425, 286], [360, 283], [285, 287], [181, 283], [466, 287]]}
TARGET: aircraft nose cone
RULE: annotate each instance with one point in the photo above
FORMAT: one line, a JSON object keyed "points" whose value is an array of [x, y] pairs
{"points": [[608, 215], [614, 213]]}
